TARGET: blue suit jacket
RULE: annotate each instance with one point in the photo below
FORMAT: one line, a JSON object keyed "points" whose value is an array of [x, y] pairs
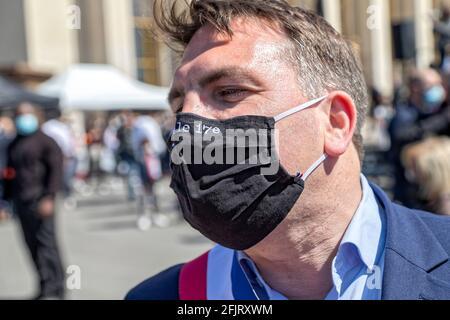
{"points": [[417, 265]]}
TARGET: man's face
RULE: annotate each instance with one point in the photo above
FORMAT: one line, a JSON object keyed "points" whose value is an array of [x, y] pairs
{"points": [[431, 79], [429, 90], [25, 109], [221, 78]]}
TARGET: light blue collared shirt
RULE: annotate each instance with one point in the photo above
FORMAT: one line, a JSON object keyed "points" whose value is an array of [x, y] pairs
{"points": [[357, 269]]}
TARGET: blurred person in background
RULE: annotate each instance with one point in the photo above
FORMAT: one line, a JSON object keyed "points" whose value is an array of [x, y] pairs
{"points": [[377, 141], [148, 146], [376, 135], [108, 159], [94, 141], [59, 130], [35, 170], [7, 133], [128, 166], [425, 113], [428, 164], [166, 121]]}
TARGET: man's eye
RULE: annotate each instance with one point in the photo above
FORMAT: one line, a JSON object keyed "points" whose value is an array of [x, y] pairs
{"points": [[232, 93]]}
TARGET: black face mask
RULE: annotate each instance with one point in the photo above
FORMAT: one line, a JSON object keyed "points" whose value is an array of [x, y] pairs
{"points": [[230, 184]]}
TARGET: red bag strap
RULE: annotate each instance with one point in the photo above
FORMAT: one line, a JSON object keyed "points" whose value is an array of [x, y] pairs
{"points": [[193, 279]]}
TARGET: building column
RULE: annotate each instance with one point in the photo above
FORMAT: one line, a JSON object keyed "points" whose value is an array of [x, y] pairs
{"points": [[119, 35], [332, 13], [51, 42], [91, 37], [13, 33], [424, 33], [381, 42]]}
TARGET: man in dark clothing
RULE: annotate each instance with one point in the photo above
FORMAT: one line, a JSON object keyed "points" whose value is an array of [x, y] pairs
{"points": [[33, 178], [125, 151]]}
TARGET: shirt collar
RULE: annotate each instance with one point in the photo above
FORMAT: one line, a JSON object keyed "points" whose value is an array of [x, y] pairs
{"points": [[252, 274], [364, 233]]}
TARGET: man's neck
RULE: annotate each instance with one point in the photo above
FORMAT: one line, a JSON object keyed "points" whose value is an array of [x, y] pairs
{"points": [[296, 259]]}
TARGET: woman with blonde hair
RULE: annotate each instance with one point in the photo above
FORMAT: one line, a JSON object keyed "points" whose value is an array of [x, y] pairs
{"points": [[428, 164]]}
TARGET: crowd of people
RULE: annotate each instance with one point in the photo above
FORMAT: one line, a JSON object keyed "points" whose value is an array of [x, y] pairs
{"points": [[411, 132], [407, 135], [134, 148], [40, 159]]}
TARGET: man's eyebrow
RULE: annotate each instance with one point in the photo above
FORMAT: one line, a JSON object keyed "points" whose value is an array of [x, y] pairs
{"points": [[216, 75], [231, 72]]}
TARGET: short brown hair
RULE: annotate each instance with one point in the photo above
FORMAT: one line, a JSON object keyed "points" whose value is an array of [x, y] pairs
{"points": [[323, 58]]}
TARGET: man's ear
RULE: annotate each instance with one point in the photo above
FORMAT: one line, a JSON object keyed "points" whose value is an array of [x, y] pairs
{"points": [[341, 123]]}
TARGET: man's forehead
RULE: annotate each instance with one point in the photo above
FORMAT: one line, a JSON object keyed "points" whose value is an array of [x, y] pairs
{"points": [[251, 40], [26, 108]]}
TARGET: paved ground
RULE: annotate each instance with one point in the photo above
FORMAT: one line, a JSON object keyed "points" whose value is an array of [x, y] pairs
{"points": [[101, 238]]}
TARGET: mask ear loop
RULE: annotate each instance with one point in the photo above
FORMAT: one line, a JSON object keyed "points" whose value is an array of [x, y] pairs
{"points": [[313, 168], [298, 109], [295, 110]]}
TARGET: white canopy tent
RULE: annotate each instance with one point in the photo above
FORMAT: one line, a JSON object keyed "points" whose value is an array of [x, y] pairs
{"points": [[93, 87]]}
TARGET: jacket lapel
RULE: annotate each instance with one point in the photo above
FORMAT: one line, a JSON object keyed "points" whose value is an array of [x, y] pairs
{"points": [[412, 252]]}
